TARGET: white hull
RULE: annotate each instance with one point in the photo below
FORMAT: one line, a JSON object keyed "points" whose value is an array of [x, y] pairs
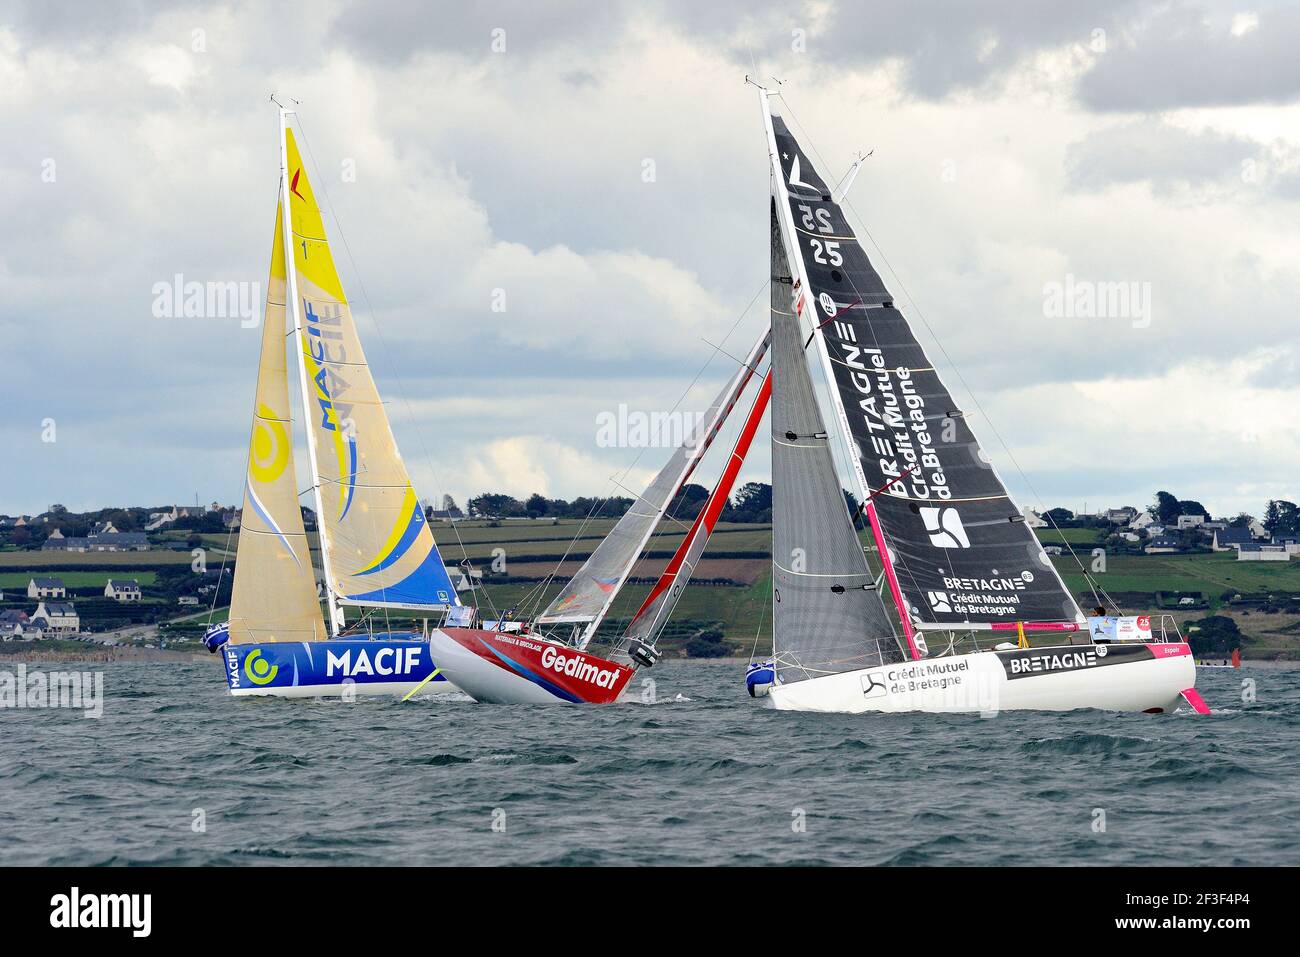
{"points": [[1135, 678]]}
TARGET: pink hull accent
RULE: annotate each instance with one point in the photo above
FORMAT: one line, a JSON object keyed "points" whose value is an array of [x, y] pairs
{"points": [[1035, 626], [1193, 697]]}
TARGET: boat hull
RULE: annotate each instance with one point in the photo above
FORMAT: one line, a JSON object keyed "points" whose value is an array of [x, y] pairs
{"points": [[513, 668], [335, 668], [1113, 677]]}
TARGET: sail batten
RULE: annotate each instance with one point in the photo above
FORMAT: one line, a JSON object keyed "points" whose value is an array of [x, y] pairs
{"points": [[953, 549], [378, 546]]}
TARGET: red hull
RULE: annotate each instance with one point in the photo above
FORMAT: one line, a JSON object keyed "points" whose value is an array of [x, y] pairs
{"points": [[521, 668]]}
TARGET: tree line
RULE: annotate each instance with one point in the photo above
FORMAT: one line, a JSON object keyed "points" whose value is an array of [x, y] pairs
{"points": [[751, 502]]}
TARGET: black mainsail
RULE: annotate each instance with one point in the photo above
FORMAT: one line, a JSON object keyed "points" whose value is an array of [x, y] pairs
{"points": [[827, 614], [959, 551]]}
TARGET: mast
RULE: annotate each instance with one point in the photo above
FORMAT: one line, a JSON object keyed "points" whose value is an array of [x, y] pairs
{"points": [[336, 619], [864, 490]]}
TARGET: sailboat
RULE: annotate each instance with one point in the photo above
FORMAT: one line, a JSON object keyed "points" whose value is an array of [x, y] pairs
{"points": [[549, 658], [377, 552], [958, 564]]}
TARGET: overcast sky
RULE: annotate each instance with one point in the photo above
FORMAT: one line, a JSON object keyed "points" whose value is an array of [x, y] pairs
{"points": [[607, 171]]}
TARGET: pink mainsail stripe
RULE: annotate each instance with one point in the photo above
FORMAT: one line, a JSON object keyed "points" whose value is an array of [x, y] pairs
{"points": [[712, 509]]}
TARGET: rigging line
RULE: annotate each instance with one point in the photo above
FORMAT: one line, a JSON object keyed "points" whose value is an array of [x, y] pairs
{"points": [[401, 388], [960, 378], [758, 632], [716, 349]]}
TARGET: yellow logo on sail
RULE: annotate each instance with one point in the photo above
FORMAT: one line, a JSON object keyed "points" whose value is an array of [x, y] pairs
{"points": [[258, 669], [270, 448]]}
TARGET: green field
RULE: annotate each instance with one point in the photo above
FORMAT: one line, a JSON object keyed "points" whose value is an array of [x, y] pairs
{"points": [[1212, 574], [47, 562], [10, 580], [740, 611]]}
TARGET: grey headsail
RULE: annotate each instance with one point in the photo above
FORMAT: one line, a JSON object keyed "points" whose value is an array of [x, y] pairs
{"points": [[827, 615], [960, 548], [588, 595]]}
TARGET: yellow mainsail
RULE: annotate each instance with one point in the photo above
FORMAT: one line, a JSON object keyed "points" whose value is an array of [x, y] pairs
{"points": [[274, 596], [380, 549]]}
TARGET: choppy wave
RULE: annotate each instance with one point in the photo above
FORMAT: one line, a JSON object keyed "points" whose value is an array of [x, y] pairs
{"points": [[177, 772]]}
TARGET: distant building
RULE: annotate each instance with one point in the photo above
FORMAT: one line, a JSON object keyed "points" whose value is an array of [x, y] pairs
{"points": [[18, 626], [1230, 539], [187, 600], [1141, 520], [1162, 545], [1120, 516], [119, 542], [1292, 545], [1190, 521], [1257, 528], [122, 590], [231, 519], [46, 588], [1255, 552], [61, 617]]}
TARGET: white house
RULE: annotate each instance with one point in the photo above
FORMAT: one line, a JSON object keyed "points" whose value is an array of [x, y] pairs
{"points": [[1141, 520], [1162, 545], [46, 588], [122, 589], [1190, 521], [188, 600], [1257, 528], [1122, 515], [60, 616], [1262, 553]]}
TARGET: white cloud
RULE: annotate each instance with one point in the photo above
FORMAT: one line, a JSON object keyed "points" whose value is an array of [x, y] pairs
{"points": [[522, 172]]}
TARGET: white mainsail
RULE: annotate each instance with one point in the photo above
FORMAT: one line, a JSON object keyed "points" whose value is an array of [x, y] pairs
{"points": [[274, 596], [377, 547]]}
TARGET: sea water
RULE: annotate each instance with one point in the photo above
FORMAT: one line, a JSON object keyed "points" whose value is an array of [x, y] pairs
{"points": [[177, 772]]}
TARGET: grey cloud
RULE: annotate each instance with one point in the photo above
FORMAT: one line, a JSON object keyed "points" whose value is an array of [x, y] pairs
{"points": [[1185, 57], [1181, 163]]}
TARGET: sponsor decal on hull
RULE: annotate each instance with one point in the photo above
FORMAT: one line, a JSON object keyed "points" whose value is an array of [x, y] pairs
{"points": [[566, 673], [326, 664], [1030, 662]]}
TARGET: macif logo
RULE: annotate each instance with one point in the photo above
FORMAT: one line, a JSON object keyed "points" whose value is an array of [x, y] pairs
{"points": [[75, 910]]}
